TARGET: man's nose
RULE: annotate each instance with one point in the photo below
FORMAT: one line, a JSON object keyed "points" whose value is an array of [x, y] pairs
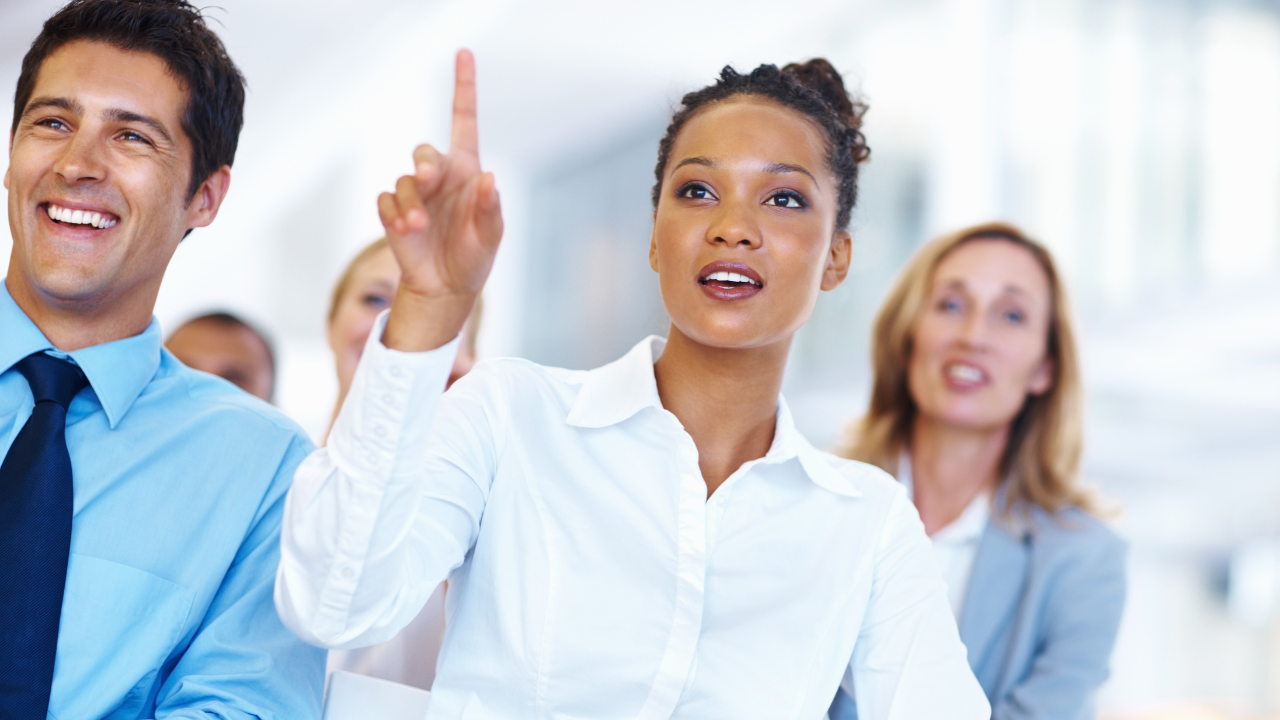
{"points": [[81, 160]]}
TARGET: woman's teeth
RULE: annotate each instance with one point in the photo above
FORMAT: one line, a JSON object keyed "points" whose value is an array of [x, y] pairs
{"points": [[730, 277], [80, 217], [965, 373]]}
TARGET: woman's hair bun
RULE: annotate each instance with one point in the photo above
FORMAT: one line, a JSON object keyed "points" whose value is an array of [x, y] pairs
{"points": [[819, 76]]}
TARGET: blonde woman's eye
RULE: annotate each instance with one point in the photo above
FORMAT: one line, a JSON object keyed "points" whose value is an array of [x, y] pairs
{"points": [[376, 301], [786, 200], [1015, 316], [948, 305]]}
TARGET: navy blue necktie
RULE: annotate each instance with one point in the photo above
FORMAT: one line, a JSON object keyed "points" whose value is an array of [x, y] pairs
{"points": [[35, 538]]}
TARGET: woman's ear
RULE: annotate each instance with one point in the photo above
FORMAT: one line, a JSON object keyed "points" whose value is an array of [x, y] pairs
{"points": [[1042, 378], [837, 268], [653, 249]]}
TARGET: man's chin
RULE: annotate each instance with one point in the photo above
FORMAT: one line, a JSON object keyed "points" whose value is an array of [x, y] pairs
{"points": [[66, 287]]}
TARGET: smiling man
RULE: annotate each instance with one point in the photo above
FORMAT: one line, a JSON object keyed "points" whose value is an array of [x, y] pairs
{"points": [[140, 501]]}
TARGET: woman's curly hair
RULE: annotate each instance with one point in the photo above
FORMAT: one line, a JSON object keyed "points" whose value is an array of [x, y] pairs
{"points": [[813, 88]]}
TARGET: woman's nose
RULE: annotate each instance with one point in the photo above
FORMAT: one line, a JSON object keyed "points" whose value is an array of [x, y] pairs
{"points": [[735, 226], [973, 331]]}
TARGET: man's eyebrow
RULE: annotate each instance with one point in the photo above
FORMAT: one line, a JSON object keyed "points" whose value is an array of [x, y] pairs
{"points": [[126, 116], [115, 114], [787, 168], [705, 162], [60, 103]]}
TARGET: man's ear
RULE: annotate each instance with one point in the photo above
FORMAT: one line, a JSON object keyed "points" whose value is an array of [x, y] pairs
{"points": [[204, 205], [838, 258], [7, 169], [1042, 378]]}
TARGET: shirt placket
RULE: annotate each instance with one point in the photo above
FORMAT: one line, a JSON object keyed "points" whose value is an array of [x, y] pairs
{"points": [[691, 572]]}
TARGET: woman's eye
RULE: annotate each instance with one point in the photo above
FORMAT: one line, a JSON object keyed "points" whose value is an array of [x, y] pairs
{"points": [[785, 199], [377, 301], [695, 191], [949, 305], [1015, 316]]}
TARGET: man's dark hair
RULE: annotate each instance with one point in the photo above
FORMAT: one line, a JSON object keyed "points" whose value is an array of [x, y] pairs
{"points": [[174, 31], [814, 89]]}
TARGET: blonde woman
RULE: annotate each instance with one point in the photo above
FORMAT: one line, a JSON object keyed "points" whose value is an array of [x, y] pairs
{"points": [[366, 288], [976, 408]]}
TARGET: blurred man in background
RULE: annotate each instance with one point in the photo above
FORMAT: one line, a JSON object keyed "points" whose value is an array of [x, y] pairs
{"points": [[222, 344]]}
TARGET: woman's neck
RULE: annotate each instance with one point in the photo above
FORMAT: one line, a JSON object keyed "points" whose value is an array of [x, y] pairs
{"points": [[951, 466], [727, 400]]}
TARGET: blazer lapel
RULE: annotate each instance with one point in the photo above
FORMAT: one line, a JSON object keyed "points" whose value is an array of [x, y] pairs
{"points": [[995, 587]]}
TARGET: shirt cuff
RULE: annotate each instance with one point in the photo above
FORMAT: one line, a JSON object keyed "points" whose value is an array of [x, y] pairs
{"points": [[387, 415]]}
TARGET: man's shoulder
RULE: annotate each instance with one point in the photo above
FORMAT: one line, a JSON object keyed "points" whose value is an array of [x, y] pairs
{"points": [[217, 401]]}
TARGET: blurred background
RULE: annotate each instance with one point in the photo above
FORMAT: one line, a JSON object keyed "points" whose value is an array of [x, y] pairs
{"points": [[1140, 139]]}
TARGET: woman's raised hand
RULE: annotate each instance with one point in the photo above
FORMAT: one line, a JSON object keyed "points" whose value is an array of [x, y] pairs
{"points": [[444, 224]]}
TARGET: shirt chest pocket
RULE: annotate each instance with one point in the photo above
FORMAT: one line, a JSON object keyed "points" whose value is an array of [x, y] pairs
{"points": [[118, 626]]}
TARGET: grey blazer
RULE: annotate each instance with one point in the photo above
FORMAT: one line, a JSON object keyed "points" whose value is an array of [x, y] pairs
{"points": [[1040, 614]]}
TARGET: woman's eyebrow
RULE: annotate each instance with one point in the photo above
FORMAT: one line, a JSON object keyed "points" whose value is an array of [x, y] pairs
{"points": [[696, 160], [787, 168]]}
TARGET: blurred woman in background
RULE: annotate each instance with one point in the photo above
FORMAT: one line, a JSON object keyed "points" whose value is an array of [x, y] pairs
{"points": [[366, 288], [977, 409]]}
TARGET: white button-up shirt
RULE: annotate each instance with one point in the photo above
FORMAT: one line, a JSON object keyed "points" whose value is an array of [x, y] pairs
{"points": [[590, 576]]}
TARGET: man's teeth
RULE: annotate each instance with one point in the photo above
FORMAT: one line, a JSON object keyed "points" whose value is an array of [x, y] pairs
{"points": [[80, 217], [965, 373], [729, 277]]}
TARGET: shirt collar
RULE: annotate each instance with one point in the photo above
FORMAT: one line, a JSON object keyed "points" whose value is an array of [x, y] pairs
{"points": [[117, 370], [614, 392]]}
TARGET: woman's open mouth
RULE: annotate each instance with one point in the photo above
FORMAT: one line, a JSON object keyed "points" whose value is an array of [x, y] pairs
{"points": [[730, 281]]}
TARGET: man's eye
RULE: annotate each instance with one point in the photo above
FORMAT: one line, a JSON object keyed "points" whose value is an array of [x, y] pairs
{"points": [[785, 199], [132, 136], [694, 191], [52, 123]]}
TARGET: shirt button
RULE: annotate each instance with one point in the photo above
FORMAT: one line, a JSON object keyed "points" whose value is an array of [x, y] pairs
{"points": [[395, 372], [348, 572]]}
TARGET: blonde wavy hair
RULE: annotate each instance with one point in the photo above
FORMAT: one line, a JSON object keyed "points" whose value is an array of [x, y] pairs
{"points": [[1042, 459]]}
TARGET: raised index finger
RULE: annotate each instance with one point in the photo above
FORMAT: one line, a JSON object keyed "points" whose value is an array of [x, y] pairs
{"points": [[465, 136]]}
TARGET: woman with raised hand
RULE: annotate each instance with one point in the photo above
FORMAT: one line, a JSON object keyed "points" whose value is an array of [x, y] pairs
{"points": [[366, 288], [976, 407], [653, 538]]}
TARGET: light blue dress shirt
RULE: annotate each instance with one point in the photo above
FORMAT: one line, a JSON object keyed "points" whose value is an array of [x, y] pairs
{"points": [[180, 481]]}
